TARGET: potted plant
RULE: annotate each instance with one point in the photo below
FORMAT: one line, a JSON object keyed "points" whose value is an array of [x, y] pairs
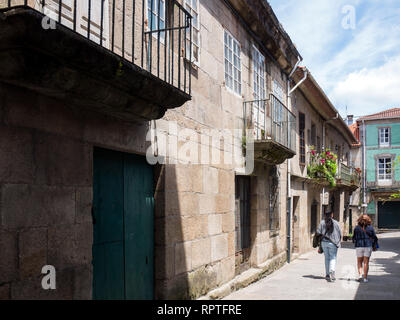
{"points": [[323, 166]]}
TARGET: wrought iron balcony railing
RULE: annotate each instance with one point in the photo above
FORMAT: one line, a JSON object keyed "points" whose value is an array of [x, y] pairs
{"points": [[155, 35], [270, 120]]}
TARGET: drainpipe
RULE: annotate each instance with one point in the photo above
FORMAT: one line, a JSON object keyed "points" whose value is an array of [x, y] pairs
{"points": [[364, 169], [289, 195]]}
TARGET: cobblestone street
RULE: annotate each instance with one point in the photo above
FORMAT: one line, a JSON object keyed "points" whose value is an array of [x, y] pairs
{"points": [[303, 279]]}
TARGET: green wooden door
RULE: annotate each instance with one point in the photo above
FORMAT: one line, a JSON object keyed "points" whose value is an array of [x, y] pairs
{"points": [[389, 215], [123, 244]]}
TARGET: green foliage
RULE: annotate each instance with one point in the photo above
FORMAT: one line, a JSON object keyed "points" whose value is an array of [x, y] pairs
{"points": [[323, 166], [395, 196]]}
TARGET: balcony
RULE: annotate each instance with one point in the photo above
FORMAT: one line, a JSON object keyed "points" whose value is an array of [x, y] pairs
{"points": [[273, 127], [347, 177], [125, 59]]}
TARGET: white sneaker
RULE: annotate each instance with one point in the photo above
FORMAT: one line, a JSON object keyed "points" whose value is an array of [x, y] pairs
{"points": [[360, 278], [365, 280]]}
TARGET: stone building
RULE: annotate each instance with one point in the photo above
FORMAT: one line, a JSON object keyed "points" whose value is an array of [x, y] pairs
{"points": [[319, 128], [379, 141], [145, 148]]}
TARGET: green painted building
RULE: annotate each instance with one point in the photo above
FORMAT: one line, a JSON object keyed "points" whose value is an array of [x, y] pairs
{"points": [[380, 139]]}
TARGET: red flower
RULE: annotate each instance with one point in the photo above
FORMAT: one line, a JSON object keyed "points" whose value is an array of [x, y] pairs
{"points": [[313, 152]]}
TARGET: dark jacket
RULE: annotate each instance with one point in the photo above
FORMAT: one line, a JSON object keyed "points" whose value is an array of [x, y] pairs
{"points": [[363, 239]]}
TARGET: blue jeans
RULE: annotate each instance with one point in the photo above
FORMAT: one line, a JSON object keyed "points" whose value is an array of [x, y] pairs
{"points": [[330, 252]]}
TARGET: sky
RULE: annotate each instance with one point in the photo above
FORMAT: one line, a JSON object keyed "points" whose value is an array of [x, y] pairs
{"points": [[351, 47]]}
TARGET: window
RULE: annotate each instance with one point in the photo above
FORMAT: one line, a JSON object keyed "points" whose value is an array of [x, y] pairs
{"points": [[302, 127], [278, 91], [259, 93], [233, 67], [313, 135], [192, 6], [242, 212], [385, 169], [318, 144], [384, 137], [274, 196], [156, 17]]}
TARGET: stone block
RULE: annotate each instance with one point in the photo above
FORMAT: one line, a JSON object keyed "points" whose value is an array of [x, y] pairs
{"points": [[214, 224], [227, 269], [207, 204], [177, 178], [70, 245], [224, 203], [83, 243], [115, 134], [36, 206], [183, 257], [219, 247], [210, 180], [32, 252], [226, 181], [83, 277], [164, 262], [5, 291], [195, 227], [31, 289], [189, 203], [8, 256], [41, 112], [201, 252], [231, 243], [168, 230], [228, 222], [62, 161], [84, 201], [196, 173], [16, 161]]}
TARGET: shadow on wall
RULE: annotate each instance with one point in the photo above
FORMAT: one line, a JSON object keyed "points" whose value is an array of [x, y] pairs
{"points": [[171, 265]]}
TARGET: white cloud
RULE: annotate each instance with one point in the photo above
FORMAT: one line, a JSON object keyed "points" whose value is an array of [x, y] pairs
{"points": [[370, 90], [348, 64]]}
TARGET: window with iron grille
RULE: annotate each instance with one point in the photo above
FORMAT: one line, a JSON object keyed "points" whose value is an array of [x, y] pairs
{"points": [[385, 169], [192, 6], [156, 17], [302, 133], [259, 93], [274, 204], [233, 65], [384, 137], [242, 213]]}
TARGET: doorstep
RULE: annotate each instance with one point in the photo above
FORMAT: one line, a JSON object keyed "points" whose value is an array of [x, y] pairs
{"points": [[248, 277]]}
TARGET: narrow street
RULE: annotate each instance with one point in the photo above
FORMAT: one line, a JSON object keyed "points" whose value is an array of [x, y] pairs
{"points": [[303, 279]]}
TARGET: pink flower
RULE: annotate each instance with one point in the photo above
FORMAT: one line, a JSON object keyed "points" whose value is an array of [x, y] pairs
{"points": [[313, 152], [323, 161], [328, 153]]}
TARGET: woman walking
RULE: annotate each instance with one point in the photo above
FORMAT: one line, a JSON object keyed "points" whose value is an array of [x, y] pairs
{"points": [[329, 229], [365, 239]]}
